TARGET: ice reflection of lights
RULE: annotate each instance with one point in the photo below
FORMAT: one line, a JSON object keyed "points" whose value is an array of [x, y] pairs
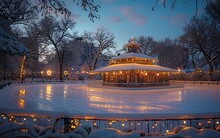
{"points": [[65, 92], [22, 92], [94, 98], [48, 92], [99, 100], [21, 103], [111, 107]]}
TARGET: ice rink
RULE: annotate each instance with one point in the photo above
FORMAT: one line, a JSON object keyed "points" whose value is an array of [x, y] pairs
{"points": [[78, 98]]}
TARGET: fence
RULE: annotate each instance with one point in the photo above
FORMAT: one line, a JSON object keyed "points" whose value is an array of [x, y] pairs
{"points": [[65, 124]]}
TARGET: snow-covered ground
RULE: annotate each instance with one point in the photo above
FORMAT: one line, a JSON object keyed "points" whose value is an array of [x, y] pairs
{"points": [[78, 98]]}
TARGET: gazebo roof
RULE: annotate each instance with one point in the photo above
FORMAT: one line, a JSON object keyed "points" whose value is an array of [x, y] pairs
{"points": [[132, 54], [135, 66]]}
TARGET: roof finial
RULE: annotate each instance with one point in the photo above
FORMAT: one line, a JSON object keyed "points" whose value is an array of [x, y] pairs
{"points": [[133, 46]]}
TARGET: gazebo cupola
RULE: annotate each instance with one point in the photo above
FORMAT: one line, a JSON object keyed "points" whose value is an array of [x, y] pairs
{"points": [[133, 55]]}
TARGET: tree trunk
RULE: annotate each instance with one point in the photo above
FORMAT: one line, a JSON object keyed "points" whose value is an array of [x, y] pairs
{"points": [[95, 63], [61, 71], [210, 71]]}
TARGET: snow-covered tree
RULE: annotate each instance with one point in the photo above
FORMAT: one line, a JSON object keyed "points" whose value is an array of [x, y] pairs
{"points": [[203, 36]]}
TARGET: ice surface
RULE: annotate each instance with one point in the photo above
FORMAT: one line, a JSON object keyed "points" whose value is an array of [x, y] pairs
{"points": [[78, 98]]}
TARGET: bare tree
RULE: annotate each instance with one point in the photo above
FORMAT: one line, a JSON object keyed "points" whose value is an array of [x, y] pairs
{"points": [[56, 34], [170, 53], [101, 42], [202, 34], [213, 9], [147, 44]]}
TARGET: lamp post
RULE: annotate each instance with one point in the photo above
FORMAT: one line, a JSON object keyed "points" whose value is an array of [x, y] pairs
{"points": [[66, 73], [49, 73], [42, 75]]}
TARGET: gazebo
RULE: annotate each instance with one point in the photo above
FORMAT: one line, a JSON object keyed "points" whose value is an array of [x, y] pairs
{"points": [[133, 69]]}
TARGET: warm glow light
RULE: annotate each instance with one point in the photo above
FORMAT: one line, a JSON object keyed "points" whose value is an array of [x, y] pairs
{"points": [[184, 122], [35, 119], [110, 123], [24, 119], [146, 74], [217, 122], [167, 131], [73, 127], [123, 124], [200, 124], [94, 123], [65, 73], [158, 74], [22, 92], [49, 72], [42, 72], [208, 122], [21, 103], [48, 92]]}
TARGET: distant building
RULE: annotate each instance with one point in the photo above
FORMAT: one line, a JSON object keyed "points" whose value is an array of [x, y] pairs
{"points": [[134, 69]]}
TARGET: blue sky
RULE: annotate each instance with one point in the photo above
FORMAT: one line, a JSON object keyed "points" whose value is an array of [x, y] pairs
{"points": [[134, 18]]}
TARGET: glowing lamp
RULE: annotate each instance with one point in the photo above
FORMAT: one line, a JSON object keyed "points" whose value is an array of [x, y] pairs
{"points": [[65, 73], [49, 72]]}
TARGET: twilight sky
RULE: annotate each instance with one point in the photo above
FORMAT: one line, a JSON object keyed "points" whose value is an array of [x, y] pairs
{"points": [[134, 18]]}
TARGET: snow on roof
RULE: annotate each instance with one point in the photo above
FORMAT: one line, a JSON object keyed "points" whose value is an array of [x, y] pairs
{"points": [[135, 66], [132, 54]]}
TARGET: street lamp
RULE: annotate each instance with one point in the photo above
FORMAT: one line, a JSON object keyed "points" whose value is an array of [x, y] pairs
{"points": [[49, 73], [42, 75]]}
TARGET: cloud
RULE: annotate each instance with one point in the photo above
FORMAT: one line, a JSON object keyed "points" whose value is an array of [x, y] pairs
{"points": [[116, 19], [132, 15], [178, 19]]}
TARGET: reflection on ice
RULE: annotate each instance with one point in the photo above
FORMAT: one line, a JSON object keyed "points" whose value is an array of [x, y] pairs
{"points": [[79, 98], [124, 104]]}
